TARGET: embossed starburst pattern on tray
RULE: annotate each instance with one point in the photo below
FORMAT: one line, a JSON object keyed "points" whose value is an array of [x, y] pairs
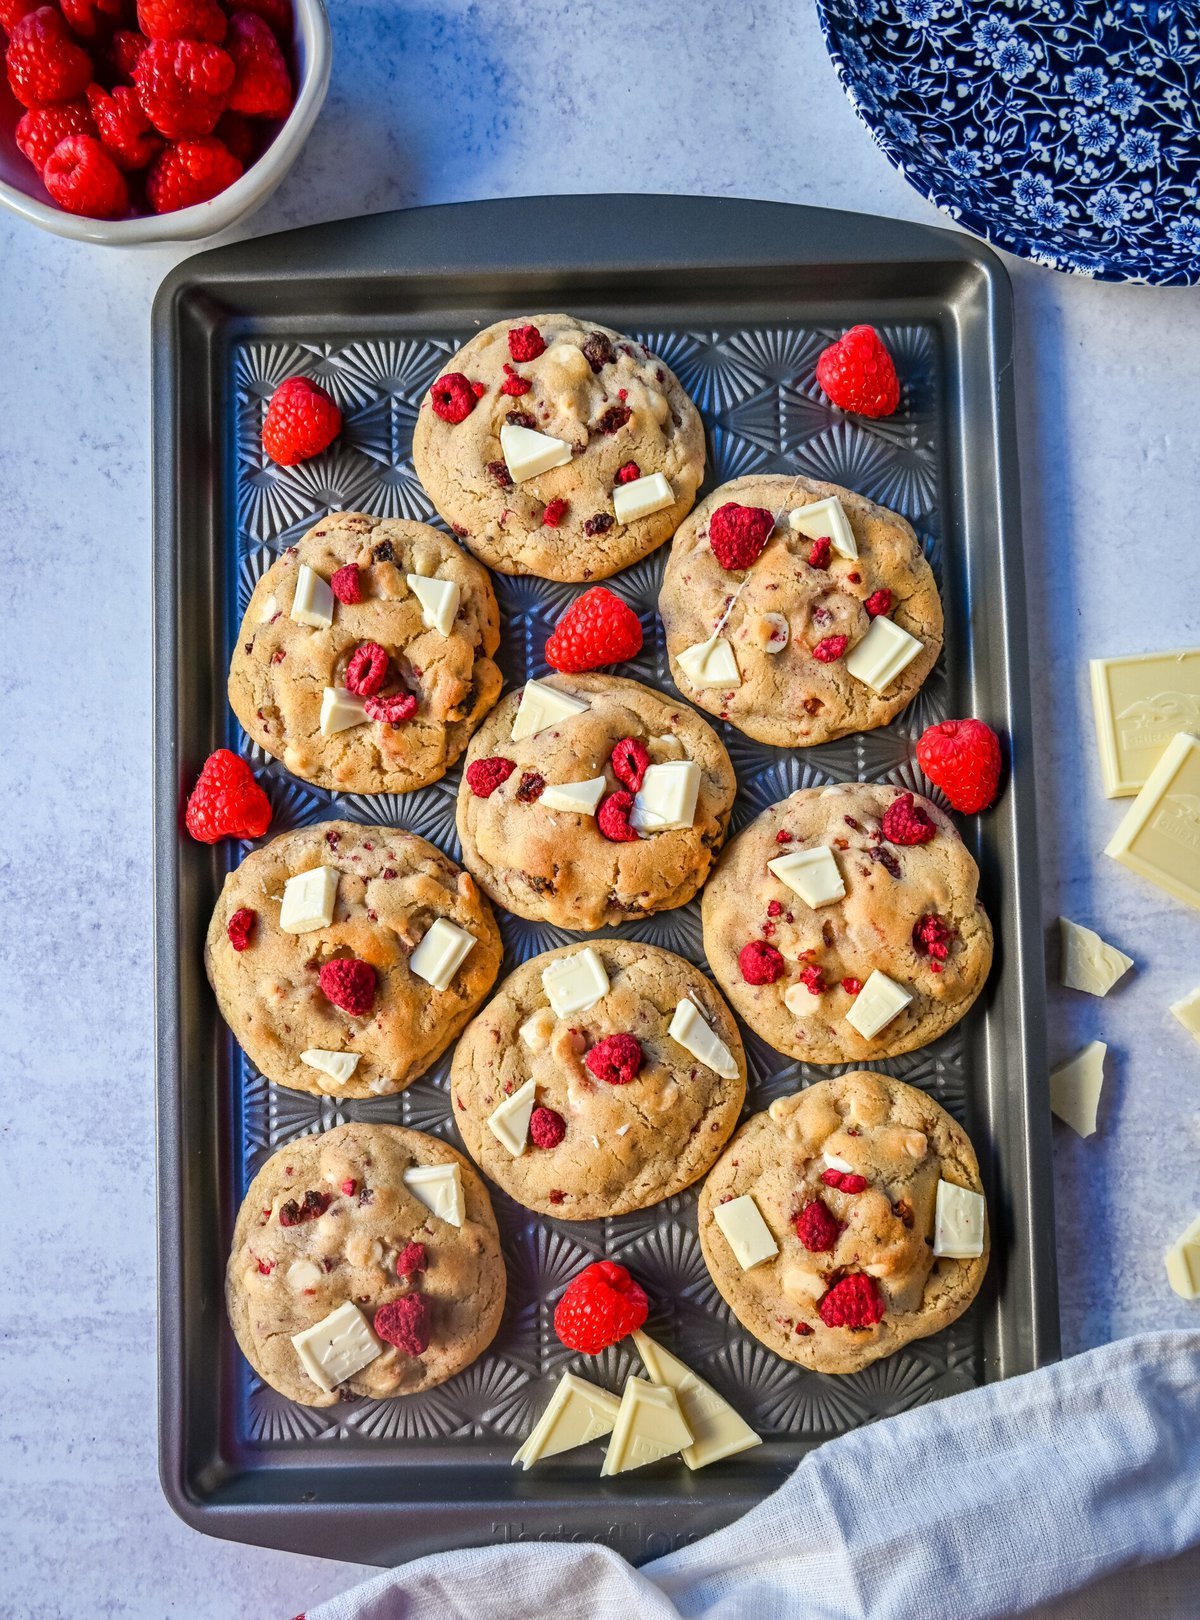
{"points": [[763, 412]]}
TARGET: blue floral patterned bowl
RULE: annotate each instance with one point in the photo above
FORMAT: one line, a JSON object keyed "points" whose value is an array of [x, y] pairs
{"points": [[1067, 131]]}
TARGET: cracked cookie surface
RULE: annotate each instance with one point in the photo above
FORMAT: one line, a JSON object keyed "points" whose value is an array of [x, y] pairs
{"points": [[282, 1279], [391, 888], [901, 1143], [626, 1145], [280, 668]]}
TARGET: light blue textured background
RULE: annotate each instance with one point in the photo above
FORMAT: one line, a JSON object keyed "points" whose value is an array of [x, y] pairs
{"points": [[435, 103]]}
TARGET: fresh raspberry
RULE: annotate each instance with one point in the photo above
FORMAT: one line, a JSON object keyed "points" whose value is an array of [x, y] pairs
{"points": [[301, 421], [613, 420], [598, 351], [857, 373], [737, 534], [190, 172], [531, 787], [182, 19], [314, 1206], [831, 649], [44, 63], [760, 963], [851, 985], [525, 343], [240, 928], [813, 980], [238, 133], [346, 583], [391, 711], [277, 14], [404, 1322], [598, 523], [844, 1181], [226, 801], [904, 822], [183, 86], [933, 937], [628, 473], [616, 1059], [40, 130], [854, 1302], [820, 552], [963, 758], [349, 984], [878, 603], [484, 776], [83, 179], [122, 125], [554, 513], [262, 87], [547, 1127], [85, 18], [612, 818], [11, 12], [513, 385], [629, 760], [598, 628], [367, 669], [817, 1227], [599, 1307], [453, 398], [412, 1261], [124, 52]]}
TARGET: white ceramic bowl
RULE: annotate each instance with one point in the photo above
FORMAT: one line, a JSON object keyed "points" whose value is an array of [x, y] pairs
{"points": [[22, 191]]}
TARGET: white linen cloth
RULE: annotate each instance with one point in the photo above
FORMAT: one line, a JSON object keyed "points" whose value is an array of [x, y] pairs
{"points": [[990, 1503]]}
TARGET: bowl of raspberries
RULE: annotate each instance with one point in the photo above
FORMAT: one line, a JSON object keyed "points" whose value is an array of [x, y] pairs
{"points": [[133, 121]]}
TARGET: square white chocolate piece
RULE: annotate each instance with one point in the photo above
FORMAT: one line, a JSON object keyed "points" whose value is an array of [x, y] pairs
{"points": [[439, 1188], [825, 518], [309, 899], [337, 1347], [1182, 1261], [1140, 702], [648, 1427], [958, 1222], [1075, 1088], [442, 951], [439, 601], [579, 1412], [312, 603], [509, 1122], [576, 982], [1187, 1011], [884, 653], [336, 1066], [696, 1035], [1160, 836], [542, 706], [710, 663], [812, 874], [666, 800], [574, 798], [340, 711], [527, 453], [641, 497], [745, 1231], [1086, 962], [879, 1001], [717, 1430]]}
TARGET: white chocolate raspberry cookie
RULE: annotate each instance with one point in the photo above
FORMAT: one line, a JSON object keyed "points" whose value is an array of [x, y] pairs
{"points": [[846, 1221], [798, 611], [843, 924], [557, 447], [364, 661], [605, 1108], [365, 1261]]}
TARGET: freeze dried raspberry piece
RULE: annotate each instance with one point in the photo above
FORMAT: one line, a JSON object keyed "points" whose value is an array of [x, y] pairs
{"points": [[612, 420], [612, 818], [411, 1261], [854, 1302], [554, 513], [598, 523], [484, 776], [531, 787], [314, 1206], [547, 1127], [514, 385], [349, 984], [878, 603], [629, 760], [240, 928], [391, 711], [813, 980], [453, 397], [851, 985], [599, 1307], [737, 534], [498, 472], [183, 85], [44, 63], [367, 669], [817, 1227], [844, 1181], [346, 584], [904, 822], [525, 343], [830, 649], [628, 474], [616, 1059], [820, 552], [404, 1322], [932, 937], [760, 963]]}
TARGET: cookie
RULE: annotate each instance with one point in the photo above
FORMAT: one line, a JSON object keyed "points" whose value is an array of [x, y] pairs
{"points": [[898, 1143], [795, 970], [329, 1219], [583, 870], [288, 679], [302, 1020], [614, 412], [790, 618], [617, 1125]]}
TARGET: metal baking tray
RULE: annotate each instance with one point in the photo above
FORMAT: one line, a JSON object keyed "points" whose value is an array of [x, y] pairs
{"points": [[739, 298]]}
